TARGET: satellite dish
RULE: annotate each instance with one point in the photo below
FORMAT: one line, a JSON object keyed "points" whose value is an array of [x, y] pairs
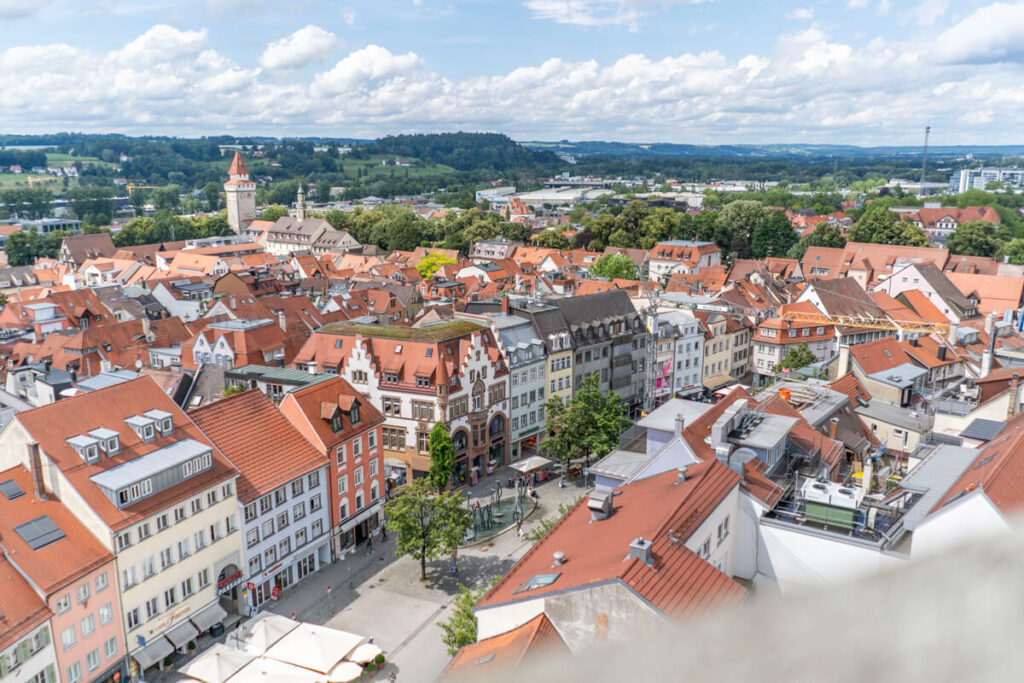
{"points": [[138, 364]]}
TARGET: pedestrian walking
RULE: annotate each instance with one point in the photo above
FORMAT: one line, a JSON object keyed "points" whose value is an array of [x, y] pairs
{"points": [[369, 545], [384, 530]]}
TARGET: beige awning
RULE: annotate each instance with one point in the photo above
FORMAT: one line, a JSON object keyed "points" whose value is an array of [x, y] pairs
{"points": [[217, 664], [345, 672], [181, 634], [208, 616], [153, 652], [534, 462], [718, 381]]}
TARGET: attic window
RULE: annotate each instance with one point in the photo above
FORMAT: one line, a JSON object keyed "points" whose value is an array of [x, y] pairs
{"points": [[337, 344], [484, 660], [538, 581], [430, 352], [398, 349]]}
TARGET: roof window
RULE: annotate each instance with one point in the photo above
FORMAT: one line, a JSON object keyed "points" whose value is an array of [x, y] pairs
{"points": [[110, 441], [538, 581], [87, 447]]}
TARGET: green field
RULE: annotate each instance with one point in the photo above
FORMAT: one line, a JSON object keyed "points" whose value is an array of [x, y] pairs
{"points": [[52, 183], [373, 167]]}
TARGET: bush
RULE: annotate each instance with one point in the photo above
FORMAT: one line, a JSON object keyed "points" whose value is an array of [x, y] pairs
{"points": [[191, 645], [167, 661], [371, 667], [379, 659]]}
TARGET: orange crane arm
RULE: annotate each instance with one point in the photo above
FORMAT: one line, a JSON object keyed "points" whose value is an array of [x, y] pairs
{"points": [[921, 326]]}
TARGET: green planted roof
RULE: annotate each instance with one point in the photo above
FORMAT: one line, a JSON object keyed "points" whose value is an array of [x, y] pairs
{"points": [[433, 333]]}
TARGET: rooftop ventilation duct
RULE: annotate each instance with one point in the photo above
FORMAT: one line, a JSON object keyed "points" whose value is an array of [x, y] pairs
{"points": [[600, 504], [641, 549]]}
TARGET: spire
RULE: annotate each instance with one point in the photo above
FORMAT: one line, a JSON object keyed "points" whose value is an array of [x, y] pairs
{"points": [[238, 167], [300, 204]]}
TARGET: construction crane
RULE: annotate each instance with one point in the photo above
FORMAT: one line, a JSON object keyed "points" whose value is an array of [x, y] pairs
{"points": [[919, 326]]}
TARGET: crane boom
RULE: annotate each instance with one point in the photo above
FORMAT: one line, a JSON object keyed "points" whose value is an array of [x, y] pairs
{"points": [[921, 326]]}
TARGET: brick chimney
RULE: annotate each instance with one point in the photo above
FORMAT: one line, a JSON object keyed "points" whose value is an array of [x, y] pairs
{"points": [[833, 428], [504, 304], [35, 466]]}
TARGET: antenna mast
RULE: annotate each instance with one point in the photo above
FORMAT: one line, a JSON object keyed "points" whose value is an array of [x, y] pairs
{"points": [[924, 160]]}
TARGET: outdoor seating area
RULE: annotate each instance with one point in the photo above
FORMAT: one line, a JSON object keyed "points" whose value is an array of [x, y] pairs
{"points": [[273, 647]]}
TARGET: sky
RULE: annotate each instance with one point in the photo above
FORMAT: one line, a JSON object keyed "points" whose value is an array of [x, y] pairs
{"points": [[867, 72]]}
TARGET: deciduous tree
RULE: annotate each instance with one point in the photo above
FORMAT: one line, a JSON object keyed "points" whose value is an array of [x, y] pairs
{"points": [[442, 456], [614, 265], [427, 525]]}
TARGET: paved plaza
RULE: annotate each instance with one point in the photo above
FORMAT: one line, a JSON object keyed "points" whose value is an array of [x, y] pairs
{"points": [[373, 593]]}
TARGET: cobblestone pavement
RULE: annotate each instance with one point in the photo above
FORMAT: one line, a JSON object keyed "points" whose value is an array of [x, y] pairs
{"points": [[373, 593]]}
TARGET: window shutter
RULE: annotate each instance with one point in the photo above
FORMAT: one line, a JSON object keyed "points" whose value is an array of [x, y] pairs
{"points": [[44, 637], [51, 674], [24, 650], [3, 666]]}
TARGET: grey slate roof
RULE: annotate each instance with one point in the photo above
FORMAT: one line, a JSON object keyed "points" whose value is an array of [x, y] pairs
{"points": [[983, 430], [582, 310], [933, 477]]}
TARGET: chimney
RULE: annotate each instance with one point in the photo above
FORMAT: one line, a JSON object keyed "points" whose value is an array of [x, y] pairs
{"points": [[913, 341], [680, 423], [942, 352], [1014, 400], [35, 466], [843, 364], [986, 363], [990, 324], [641, 549], [281, 320], [951, 335], [559, 559], [833, 428], [504, 304], [682, 475], [232, 302]]}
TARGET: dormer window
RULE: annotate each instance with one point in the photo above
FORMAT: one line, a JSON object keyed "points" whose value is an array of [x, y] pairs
{"points": [[163, 420], [336, 425], [353, 414], [87, 447], [144, 427], [109, 440]]}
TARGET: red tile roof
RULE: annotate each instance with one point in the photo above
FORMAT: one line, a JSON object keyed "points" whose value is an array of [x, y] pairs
{"points": [[267, 457], [998, 471], [51, 425], [995, 293], [919, 302], [238, 166], [879, 355], [304, 409], [23, 610], [678, 584], [55, 565], [505, 652]]}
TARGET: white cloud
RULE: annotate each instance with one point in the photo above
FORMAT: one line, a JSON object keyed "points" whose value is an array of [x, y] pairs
{"points": [[596, 12], [18, 9], [802, 14], [308, 44], [991, 34], [811, 86], [362, 67], [883, 7], [856, 4]]}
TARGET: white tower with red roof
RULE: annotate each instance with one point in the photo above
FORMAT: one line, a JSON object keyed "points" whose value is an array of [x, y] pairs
{"points": [[240, 193]]}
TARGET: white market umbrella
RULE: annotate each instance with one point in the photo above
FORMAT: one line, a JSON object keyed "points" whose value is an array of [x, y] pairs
{"points": [[259, 634], [263, 670], [314, 647], [344, 672], [217, 664], [366, 652]]}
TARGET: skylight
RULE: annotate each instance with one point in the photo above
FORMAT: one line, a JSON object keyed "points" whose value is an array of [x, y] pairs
{"points": [[538, 581], [40, 532]]}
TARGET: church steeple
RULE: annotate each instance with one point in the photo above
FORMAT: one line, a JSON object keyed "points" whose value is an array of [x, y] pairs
{"points": [[300, 204]]}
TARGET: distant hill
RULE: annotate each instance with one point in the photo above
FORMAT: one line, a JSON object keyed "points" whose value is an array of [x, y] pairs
{"points": [[666, 149], [468, 151]]}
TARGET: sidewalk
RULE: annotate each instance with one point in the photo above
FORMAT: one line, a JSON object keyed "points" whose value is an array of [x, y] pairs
{"points": [[378, 595]]}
